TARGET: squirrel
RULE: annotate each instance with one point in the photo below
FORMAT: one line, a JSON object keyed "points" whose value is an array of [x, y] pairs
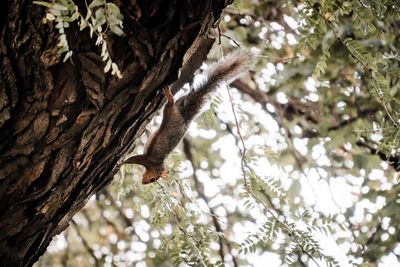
{"points": [[177, 115]]}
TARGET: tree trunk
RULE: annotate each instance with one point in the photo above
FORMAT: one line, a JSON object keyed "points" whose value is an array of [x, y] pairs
{"points": [[63, 126]]}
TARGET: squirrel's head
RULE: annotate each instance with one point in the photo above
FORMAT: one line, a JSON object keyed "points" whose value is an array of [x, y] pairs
{"points": [[152, 175]]}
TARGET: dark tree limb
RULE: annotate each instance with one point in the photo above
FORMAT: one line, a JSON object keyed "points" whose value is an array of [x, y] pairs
{"points": [[392, 160]]}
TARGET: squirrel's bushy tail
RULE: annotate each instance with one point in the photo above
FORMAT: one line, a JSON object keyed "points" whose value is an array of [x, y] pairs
{"points": [[226, 70]]}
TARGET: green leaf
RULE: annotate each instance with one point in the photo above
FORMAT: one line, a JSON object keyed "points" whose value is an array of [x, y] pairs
{"points": [[96, 3], [59, 7], [114, 11], [42, 3], [360, 53], [116, 30]]}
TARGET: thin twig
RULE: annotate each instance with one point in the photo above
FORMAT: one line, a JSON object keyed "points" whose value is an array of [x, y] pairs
{"points": [[176, 218], [84, 243], [243, 164], [214, 217]]}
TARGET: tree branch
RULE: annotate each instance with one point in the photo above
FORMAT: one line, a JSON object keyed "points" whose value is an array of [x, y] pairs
{"points": [[84, 243], [200, 190]]}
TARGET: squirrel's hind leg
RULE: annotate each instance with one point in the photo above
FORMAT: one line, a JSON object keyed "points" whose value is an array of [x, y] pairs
{"points": [[168, 94]]}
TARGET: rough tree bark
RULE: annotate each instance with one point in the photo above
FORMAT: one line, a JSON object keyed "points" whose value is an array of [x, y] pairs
{"points": [[63, 126]]}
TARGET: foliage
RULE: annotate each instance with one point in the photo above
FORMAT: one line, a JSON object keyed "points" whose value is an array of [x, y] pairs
{"points": [[100, 17], [298, 166]]}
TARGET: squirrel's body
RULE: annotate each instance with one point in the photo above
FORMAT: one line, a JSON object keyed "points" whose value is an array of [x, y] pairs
{"points": [[177, 115]]}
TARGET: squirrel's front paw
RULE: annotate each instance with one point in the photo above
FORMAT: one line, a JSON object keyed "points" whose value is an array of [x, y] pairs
{"points": [[164, 173]]}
